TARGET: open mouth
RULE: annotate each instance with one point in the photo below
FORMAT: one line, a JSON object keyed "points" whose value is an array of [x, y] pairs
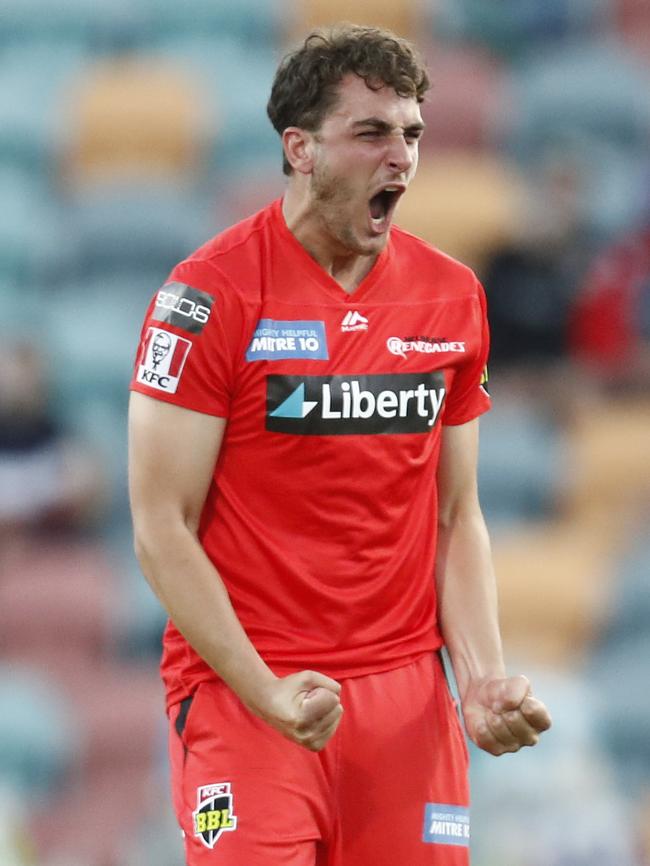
{"points": [[382, 205]]}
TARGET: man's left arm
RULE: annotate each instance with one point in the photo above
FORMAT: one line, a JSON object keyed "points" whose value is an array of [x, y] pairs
{"points": [[500, 712]]}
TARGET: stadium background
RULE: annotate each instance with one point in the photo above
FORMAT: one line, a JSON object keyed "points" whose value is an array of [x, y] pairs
{"points": [[131, 132]]}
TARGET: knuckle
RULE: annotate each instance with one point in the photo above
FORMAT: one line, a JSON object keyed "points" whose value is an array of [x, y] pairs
{"points": [[302, 735]]}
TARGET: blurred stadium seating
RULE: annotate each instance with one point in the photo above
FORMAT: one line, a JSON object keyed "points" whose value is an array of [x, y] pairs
{"points": [[402, 16], [129, 134], [131, 118], [516, 27], [465, 203]]}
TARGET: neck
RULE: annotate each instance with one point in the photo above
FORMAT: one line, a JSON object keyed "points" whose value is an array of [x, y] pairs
{"points": [[344, 265]]}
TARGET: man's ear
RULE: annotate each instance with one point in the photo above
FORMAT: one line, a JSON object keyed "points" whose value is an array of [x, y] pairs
{"points": [[298, 147]]}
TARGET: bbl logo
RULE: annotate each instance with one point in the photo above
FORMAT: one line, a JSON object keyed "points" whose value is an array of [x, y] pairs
{"points": [[214, 813]]}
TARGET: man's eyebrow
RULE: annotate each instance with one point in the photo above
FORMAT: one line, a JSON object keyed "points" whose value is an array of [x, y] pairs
{"points": [[383, 126]]}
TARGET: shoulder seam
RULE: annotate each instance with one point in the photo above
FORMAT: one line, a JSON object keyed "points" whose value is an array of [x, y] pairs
{"points": [[214, 255]]}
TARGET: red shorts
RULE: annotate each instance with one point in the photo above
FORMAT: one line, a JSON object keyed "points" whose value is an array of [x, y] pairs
{"points": [[389, 789]]}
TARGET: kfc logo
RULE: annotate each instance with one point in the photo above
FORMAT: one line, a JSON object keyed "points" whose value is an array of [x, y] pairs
{"points": [[161, 361]]}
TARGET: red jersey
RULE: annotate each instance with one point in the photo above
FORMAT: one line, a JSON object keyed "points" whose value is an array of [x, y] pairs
{"points": [[321, 516]]}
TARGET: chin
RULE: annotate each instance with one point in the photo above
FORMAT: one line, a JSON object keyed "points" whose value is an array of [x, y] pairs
{"points": [[377, 243], [368, 243], [363, 243]]}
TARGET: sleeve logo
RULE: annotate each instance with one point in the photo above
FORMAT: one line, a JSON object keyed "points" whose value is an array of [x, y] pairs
{"points": [[161, 360], [183, 307]]}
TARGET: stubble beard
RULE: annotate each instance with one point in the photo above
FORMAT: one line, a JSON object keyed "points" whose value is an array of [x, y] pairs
{"points": [[332, 197]]}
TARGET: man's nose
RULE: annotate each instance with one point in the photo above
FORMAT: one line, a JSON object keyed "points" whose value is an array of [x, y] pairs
{"points": [[400, 154]]}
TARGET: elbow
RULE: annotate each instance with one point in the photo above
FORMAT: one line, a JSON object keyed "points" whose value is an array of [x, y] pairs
{"points": [[449, 516], [157, 538], [466, 512], [140, 547], [149, 538], [144, 548], [445, 519], [151, 555]]}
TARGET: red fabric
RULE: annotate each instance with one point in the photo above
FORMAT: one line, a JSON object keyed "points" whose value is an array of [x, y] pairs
{"points": [[362, 800], [326, 543], [605, 323]]}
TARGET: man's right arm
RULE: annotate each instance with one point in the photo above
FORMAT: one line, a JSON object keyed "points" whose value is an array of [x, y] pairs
{"points": [[172, 454]]}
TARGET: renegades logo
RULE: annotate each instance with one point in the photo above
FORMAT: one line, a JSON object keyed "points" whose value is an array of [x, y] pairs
{"points": [[214, 813]]}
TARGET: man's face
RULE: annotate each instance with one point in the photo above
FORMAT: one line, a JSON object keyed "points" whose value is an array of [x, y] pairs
{"points": [[366, 153], [160, 347]]}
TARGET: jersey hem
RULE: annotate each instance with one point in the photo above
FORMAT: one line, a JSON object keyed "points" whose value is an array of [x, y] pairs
{"points": [[180, 691], [464, 419]]}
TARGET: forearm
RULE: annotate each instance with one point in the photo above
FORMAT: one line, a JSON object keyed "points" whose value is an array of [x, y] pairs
{"points": [[191, 590], [467, 599]]}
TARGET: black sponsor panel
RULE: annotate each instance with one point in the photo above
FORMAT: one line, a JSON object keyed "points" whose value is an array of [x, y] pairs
{"points": [[183, 307], [354, 404]]}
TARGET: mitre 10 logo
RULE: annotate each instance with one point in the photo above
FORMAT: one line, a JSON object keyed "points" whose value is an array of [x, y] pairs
{"points": [[339, 405]]}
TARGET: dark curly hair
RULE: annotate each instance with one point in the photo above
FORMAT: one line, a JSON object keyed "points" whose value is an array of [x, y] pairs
{"points": [[305, 87]]}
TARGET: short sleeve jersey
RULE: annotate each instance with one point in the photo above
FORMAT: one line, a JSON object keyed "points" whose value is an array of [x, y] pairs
{"points": [[321, 515]]}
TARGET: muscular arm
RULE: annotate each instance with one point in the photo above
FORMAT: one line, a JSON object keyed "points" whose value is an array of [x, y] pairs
{"points": [[172, 454], [499, 711]]}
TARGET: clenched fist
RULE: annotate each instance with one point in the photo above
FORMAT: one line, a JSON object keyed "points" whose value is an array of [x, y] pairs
{"points": [[501, 715], [304, 707]]}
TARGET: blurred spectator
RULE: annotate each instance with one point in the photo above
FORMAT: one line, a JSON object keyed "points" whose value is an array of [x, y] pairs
{"points": [[47, 480], [609, 326], [530, 281]]}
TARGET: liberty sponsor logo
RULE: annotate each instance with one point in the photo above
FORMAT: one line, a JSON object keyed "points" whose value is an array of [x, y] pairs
{"points": [[354, 321], [162, 358], [182, 306], [214, 813], [446, 825], [277, 340], [423, 345], [357, 405]]}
